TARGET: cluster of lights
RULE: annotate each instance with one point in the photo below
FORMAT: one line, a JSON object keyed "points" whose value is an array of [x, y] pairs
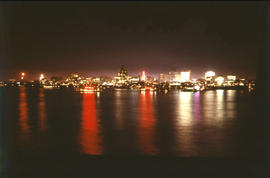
{"points": [[22, 75], [143, 76], [41, 77], [185, 76]]}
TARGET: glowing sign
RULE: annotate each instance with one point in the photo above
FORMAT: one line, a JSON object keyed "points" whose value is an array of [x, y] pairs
{"points": [[185, 76]]}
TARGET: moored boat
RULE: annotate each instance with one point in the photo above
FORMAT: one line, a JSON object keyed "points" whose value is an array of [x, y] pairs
{"points": [[148, 89], [89, 89]]}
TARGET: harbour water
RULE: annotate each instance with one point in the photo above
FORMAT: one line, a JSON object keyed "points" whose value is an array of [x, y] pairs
{"points": [[211, 124]]}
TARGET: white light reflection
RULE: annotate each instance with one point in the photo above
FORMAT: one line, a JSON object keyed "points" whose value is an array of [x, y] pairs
{"points": [[184, 111], [197, 107], [209, 103], [184, 122], [220, 104], [119, 109], [231, 106]]}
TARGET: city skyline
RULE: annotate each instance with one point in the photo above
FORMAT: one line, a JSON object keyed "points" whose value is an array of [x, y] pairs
{"points": [[176, 73], [61, 38]]}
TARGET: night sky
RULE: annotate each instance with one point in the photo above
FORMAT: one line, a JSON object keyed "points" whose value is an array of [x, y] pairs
{"points": [[96, 38]]}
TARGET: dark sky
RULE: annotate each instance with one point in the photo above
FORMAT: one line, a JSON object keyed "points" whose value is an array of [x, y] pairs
{"points": [[96, 38]]}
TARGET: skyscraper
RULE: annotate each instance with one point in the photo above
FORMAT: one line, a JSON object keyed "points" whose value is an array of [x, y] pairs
{"points": [[122, 74]]}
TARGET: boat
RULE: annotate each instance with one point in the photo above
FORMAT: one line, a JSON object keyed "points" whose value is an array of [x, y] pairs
{"points": [[188, 89], [89, 89], [147, 89], [48, 87]]}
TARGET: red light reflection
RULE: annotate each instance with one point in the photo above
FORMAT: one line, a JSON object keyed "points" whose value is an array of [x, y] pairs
{"points": [[23, 114], [147, 124], [89, 136]]}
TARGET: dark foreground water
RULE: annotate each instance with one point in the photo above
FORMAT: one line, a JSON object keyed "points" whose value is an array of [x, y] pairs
{"points": [[63, 133]]}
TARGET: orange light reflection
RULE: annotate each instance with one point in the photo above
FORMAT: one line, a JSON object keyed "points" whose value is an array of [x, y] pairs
{"points": [[90, 133], [147, 124], [23, 114]]}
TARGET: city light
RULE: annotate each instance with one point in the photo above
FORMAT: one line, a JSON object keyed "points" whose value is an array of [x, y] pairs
{"points": [[197, 87], [231, 77], [22, 75], [173, 80], [220, 80], [143, 76], [209, 75], [185, 76], [41, 77]]}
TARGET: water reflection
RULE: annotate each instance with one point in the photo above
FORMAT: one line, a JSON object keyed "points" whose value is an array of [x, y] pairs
{"points": [[197, 107], [184, 111], [220, 104], [209, 106], [23, 115], [119, 109], [184, 123], [90, 132], [147, 123], [42, 110], [231, 106]]}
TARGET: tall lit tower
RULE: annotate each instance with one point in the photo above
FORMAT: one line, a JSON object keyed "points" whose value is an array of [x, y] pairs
{"points": [[143, 76], [122, 73], [185, 76]]}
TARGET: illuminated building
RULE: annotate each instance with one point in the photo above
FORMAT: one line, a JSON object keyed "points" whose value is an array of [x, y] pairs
{"points": [[143, 76], [219, 80], [134, 80], [150, 79], [122, 76], [163, 77], [96, 79], [122, 73], [209, 75], [185, 76], [231, 77], [174, 76], [41, 77], [73, 79], [177, 77]]}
